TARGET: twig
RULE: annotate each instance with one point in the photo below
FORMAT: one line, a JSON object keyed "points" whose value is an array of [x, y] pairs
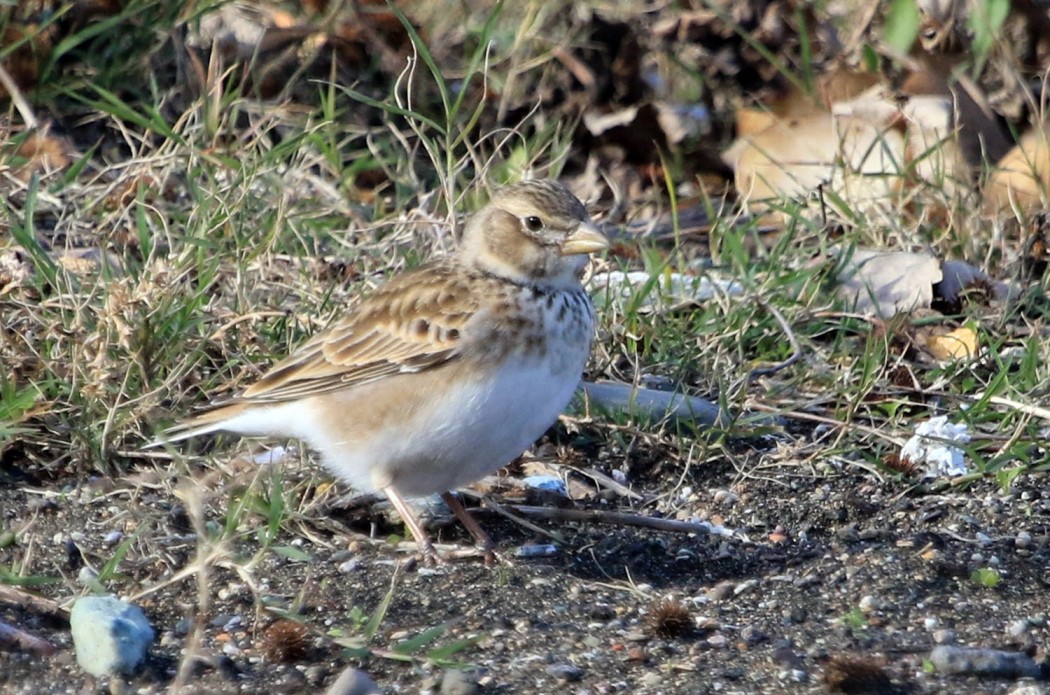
{"points": [[9, 634], [502, 511], [24, 109], [1033, 410], [810, 417], [612, 518], [605, 481], [36, 604]]}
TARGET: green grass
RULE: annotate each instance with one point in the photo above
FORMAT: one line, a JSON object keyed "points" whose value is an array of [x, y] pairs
{"points": [[249, 225]]}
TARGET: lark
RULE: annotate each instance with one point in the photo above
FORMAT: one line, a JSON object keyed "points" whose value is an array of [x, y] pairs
{"points": [[445, 373]]}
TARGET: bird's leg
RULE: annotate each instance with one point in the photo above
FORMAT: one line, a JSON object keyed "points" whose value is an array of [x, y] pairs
{"points": [[430, 554], [474, 528]]}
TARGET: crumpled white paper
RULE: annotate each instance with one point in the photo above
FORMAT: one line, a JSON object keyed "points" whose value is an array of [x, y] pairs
{"points": [[931, 446]]}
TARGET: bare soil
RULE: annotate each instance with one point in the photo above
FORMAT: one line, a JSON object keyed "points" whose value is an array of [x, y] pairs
{"points": [[822, 567]]}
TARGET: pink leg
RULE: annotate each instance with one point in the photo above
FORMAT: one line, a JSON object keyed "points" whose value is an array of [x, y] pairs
{"points": [[412, 522]]}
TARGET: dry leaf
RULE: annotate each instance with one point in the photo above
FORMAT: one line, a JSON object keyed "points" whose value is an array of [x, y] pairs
{"points": [[44, 152], [860, 161], [885, 283], [958, 344], [1020, 182]]}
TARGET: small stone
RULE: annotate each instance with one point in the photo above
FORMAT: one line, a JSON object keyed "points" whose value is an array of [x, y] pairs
{"points": [[457, 682], [718, 640], [930, 624], [984, 662], [565, 672], [744, 587], [868, 604], [720, 591], [353, 682], [1018, 628], [652, 680], [350, 566], [752, 635], [726, 498], [944, 636], [87, 576], [795, 615], [315, 675], [109, 635], [1023, 539]]}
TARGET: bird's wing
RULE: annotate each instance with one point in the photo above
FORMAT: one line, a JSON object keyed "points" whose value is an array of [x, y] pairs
{"points": [[410, 324]]}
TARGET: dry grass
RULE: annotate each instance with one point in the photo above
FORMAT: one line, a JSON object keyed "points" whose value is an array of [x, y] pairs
{"points": [[217, 231]]}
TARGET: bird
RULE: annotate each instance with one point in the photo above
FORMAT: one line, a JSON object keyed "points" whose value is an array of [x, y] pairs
{"points": [[442, 374]]}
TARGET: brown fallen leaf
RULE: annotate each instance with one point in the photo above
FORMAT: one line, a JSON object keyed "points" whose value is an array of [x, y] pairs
{"points": [[1020, 182], [857, 159], [960, 343]]}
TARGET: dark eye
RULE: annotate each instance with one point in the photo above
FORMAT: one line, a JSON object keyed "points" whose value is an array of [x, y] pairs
{"points": [[533, 223]]}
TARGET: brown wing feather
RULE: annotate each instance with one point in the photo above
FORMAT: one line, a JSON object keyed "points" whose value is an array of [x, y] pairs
{"points": [[409, 324]]}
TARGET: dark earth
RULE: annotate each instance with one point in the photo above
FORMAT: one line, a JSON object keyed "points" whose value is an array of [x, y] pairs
{"points": [[839, 581]]}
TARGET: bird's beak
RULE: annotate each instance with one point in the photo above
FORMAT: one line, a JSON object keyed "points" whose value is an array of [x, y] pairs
{"points": [[586, 239]]}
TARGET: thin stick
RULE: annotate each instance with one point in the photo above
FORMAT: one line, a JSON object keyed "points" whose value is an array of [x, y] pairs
{"points": [[37, 604], [611, 518], [9, 634], [23, 107]]}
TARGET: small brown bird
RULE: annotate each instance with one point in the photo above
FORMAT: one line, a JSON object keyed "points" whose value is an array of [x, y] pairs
{"points": [[445, 373]]}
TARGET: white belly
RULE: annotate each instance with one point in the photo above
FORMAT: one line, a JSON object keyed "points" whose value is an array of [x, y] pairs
{"points": [[458, 433]]}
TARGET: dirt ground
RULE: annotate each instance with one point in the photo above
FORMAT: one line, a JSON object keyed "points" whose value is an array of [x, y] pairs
{"points": [[830, 581]]}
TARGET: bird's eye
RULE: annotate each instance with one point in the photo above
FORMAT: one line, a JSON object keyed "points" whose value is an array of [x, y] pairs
{"points": [[533, 223]]}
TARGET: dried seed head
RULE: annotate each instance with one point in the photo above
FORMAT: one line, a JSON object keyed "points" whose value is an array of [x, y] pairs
{"points": [[901, 464], [669, 617], [849, 674], [285, 641]]}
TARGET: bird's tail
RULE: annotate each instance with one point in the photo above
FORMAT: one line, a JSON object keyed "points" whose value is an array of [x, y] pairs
{"points": [[221, 418]]}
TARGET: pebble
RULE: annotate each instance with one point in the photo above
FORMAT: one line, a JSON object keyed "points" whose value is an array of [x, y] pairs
{"points": [[109, 635], [565, 672], [795, 615], [983, 662], [868, 604], [720, 591], [930, 624], [944, 636], [1028, 689], [350, 566], [457, 682], [718, 640], [744, 587], [1017, 628], [752, 635], [353, 682], [1023, 539], [536, 550], [726, 498]]}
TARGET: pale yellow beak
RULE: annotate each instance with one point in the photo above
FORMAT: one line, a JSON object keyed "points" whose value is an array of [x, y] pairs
{"points": [[586, 239]]}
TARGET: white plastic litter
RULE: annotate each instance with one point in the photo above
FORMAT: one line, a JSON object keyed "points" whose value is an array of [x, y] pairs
{"points": [[549, 483], [665, 289], [932, 446]]}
